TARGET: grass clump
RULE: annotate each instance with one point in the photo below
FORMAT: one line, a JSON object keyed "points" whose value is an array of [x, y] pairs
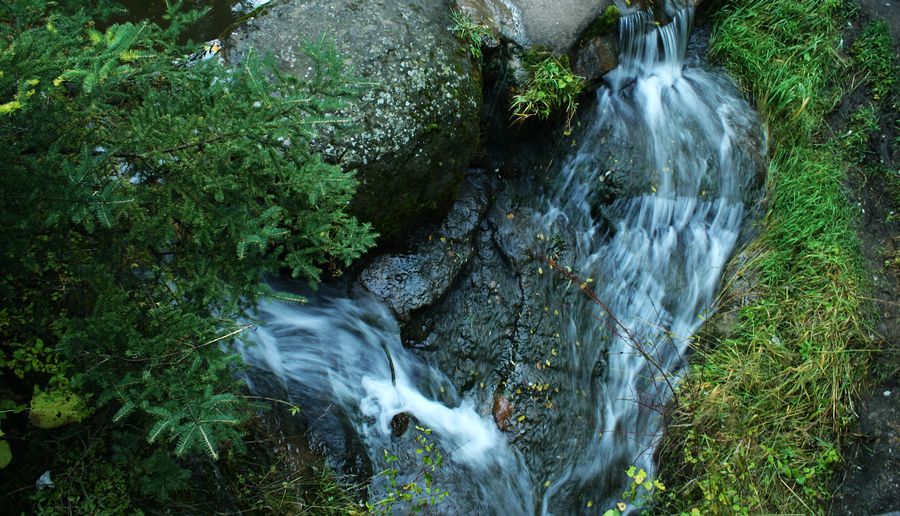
{"points": [[552, 88], [472, 34], [874, 53], [766, 406]]}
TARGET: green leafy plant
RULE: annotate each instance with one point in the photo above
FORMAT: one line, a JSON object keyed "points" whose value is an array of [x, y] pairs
{"points": [[552, 87], [640, 493], [7, 407], [471, 33], [421, 493]]}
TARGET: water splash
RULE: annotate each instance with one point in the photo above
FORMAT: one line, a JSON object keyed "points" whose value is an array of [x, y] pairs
{"points": [[346, 354]]}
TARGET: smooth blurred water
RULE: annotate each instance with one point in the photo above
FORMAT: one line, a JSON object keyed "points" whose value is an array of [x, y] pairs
{"points": [[659, 273], [346, 355]]}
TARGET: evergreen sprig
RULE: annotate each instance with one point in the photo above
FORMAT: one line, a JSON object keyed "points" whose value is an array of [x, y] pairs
{"points": [[144, 196]]}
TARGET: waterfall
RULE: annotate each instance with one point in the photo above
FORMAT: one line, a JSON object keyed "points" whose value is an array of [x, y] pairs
{"points": [[346, 355], [659, 272], [654, 258]]}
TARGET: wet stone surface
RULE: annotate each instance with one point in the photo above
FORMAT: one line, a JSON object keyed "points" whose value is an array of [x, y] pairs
{"points": [[408, 282]]}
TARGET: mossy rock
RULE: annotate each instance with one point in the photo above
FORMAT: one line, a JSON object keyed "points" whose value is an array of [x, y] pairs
{"points": [[603, 25], [415, 129]]}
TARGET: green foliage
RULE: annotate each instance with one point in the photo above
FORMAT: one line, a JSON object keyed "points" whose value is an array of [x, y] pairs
{"points": [[874, 53], [278, 476], [784, 53], [471, 33], [419, 494], [162, 476], [7, 407], [552, 87], [275, 491], [144, 197], [863, 124], [765, 408], [5, 453], [640, 494]]}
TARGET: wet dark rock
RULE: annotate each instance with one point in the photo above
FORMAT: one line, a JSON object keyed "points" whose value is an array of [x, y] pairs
{"points": [[417, 122], [408, 282], [596, 57], [399, 424], [513, 230], [476, 320]]}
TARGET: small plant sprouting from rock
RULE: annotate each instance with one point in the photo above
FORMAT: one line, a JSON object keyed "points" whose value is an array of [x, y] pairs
{"points": [[470, 32], [419, 494], [552, 87]]}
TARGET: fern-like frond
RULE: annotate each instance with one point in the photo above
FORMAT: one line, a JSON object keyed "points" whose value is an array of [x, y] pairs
{"points": [[124, 411], [184, 440], [208, 445], [158, 429]]}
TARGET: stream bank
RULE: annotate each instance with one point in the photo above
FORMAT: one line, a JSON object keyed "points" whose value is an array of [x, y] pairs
{"points": [[768, 412], [870, 483]]}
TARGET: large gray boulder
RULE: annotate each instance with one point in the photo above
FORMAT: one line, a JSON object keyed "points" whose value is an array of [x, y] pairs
{"points": [[418, 120], [555, 24], [558, 24], [584, 29]]}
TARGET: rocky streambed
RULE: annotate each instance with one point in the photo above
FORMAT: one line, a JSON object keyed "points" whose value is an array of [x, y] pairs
{"points": [[531, 305]]}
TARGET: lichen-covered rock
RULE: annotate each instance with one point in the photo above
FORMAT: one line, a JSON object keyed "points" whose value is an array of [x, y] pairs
{"points": [[417, 121]]}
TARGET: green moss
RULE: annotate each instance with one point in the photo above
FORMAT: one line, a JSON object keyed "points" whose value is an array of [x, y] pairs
{"points": [[603, 25]]}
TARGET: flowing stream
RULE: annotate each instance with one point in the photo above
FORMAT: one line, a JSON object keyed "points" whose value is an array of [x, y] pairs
{"points": [[654, 260]]}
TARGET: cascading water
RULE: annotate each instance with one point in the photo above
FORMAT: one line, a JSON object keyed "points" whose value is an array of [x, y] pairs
{"points": [[655, 258], [346, 354], [659, 272]]}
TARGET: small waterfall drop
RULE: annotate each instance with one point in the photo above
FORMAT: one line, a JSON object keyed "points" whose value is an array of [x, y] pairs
{"points": [[654, 257], [346, 355]]}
